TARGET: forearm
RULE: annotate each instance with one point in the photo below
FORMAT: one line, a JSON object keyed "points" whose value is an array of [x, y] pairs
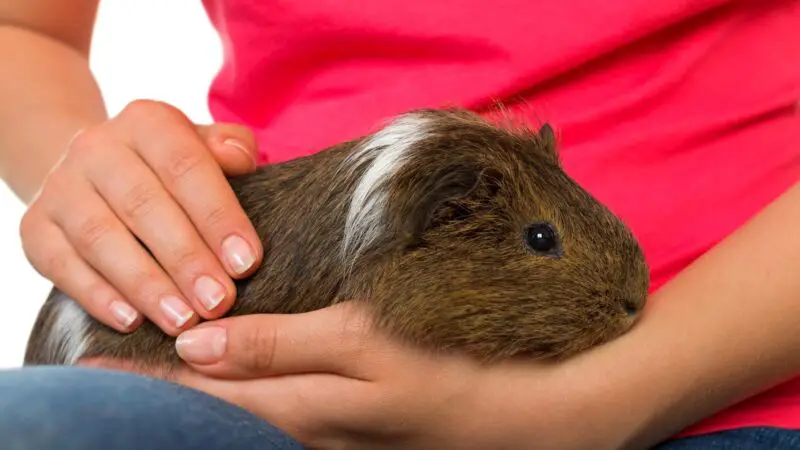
{"points": [[721, 331], [48, 95]]}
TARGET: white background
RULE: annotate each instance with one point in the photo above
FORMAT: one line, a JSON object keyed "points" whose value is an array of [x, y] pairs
{"points": [[159, 49]]}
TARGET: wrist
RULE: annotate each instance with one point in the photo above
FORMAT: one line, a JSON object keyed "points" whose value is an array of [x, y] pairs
{"points": [[25, 176], [516, 405]]}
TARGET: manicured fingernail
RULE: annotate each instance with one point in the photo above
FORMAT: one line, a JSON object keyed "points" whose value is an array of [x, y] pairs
{"points": [[202, 345], [209, 292], [238, 254], [123, 313], [177, 311], [239, 145]]}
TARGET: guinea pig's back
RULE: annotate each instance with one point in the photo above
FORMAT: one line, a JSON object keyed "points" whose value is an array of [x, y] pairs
{"points": [[298, 209], [298, 212]]}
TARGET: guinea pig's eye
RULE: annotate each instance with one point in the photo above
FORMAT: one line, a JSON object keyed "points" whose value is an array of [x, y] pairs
{"points": [[541, 238]]}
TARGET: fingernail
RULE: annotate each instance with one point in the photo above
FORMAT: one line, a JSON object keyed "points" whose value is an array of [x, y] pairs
{"points": [[239, 145], [177, 311], [238, 254], [209, 292], [123, 313], [202, 345]]}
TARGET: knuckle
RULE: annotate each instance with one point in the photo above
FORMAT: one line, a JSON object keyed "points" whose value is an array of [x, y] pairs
{"points": [[146, 284], [28, 225], [148, 111], [352, 351], [139, 200], [95, 293], [91, 230], [184, 257], [86, 142], [52, 264], [216, 216], [182, 163], [258, 349], [355, 339], [43, 258], [32, 248], [143, 108]]}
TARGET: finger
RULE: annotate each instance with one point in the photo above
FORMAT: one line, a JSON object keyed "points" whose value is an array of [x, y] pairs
{"points": [[139, 199], [329, 340], [173, 149], [312, 407], [233, 146], [59, 262], [109, 247]]}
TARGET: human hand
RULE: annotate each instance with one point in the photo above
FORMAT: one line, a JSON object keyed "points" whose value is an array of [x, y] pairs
{"points": [[331, 381], [137, 219]]}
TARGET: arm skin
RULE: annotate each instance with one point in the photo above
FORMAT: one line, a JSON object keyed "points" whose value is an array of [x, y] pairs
{"points": [[114, 217], [724, 329], [48, 92]]}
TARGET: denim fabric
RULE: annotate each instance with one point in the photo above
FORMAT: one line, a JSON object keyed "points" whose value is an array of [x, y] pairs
{"points": [[58, 408], [755, 438]]}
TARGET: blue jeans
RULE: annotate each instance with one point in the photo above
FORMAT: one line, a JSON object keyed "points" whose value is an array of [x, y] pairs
{"points": [[57, 408], [60, 408], [753, 438]]}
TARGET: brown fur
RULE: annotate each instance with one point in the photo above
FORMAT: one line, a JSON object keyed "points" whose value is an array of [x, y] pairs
{"points": [[451, 271]]}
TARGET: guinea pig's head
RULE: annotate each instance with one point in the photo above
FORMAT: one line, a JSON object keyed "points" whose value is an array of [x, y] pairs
{"points": [[470, 235]]}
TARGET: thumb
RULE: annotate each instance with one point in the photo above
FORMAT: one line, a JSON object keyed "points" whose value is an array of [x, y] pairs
{"points": [[330, 340], [233, 146]]}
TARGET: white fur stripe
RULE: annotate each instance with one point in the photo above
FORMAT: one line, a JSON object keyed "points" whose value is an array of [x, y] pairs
{"points": [[386, 151], [66, 340]]}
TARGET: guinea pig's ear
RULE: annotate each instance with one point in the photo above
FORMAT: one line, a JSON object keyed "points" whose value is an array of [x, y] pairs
{"points": [[548, 138], [547, 135], [446, 196]]}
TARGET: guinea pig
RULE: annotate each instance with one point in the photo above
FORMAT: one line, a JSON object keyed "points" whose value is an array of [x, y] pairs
{"points": [[456, 232]]}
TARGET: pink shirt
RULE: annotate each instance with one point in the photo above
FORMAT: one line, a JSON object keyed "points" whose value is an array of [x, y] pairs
{"points": [[680, 115]]}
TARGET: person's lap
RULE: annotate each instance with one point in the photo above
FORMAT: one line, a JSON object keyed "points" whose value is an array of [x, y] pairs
{"points": [[754, 438], [48, 408]]}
